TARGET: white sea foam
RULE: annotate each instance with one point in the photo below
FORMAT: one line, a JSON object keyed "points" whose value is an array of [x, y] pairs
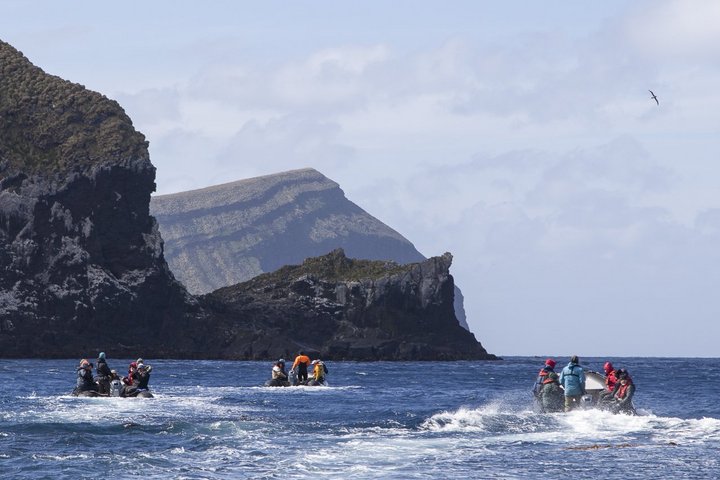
{"points": [[104, 410], [452, 437], [60, 458], [463, 419], [579, 425]]}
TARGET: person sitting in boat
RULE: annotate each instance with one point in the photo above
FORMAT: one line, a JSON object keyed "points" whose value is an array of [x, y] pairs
{"points": [[542, 376], [85, 382], [572, 378], [140, 381], [279, 377], [302, 362], [132, 372], [610, 376], [610, 381], [319, 373], [551, 395], [624, 392], [142, 378], [104, 374], [278, 370]]}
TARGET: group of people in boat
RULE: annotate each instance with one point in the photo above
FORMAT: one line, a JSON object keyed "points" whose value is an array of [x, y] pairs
{"points": [[299, 372], [108, 383], [565, 392]]}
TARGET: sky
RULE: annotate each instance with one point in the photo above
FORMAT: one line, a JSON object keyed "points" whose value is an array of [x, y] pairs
{"points": [[519, 135]]}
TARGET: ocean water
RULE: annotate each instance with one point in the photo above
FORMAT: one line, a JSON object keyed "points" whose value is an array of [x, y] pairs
{"points": [[407, 420]]}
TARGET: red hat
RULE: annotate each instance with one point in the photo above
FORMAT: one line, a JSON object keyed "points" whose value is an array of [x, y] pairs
{"points": [[608, 367], [550, 363]]}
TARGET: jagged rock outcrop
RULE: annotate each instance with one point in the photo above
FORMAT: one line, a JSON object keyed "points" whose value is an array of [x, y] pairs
{"points": [[347, 309], [81, 260], [82, 266], [225, 234]]}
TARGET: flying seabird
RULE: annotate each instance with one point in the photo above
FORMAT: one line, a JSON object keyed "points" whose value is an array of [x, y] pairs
{"points": [[654, 97]]}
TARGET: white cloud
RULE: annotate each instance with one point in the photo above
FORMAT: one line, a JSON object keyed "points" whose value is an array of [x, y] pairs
{"points": [[153, 106], [541, 240], [534, 154], [325, 80], [285, 143], [685, 30]]}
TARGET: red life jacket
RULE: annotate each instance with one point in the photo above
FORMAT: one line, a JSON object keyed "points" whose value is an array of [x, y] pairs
{"points": [[541, 379], [611, 380], [622, 391]]}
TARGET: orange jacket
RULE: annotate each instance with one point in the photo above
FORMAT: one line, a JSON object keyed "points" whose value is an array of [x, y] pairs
{"points": [[301, 359]]}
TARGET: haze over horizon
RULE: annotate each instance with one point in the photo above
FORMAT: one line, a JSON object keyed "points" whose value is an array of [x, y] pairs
{"points": [[522, 137]]}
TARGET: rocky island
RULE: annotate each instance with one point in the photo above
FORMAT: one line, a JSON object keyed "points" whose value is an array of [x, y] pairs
{"points": [[82, 267], [348, 309], [225, 234]]}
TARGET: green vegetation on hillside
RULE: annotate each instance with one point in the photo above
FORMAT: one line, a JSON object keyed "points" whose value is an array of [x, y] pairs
{"points": [[333, 267], [49, 125]]}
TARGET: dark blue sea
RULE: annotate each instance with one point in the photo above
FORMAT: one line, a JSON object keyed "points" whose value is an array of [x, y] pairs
{"points": [[409, 420]]}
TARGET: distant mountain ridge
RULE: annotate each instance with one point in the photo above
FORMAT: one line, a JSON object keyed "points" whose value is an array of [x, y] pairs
{"points": [[226, 234]]}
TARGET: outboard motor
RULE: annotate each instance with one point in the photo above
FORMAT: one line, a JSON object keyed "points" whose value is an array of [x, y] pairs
{"points": [[116, 388], [292, 377]]}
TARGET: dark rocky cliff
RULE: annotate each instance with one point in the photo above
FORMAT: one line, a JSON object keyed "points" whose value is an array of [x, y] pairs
{"points": [[347, 309], [82, 266], [81, 260], [225, 234]]}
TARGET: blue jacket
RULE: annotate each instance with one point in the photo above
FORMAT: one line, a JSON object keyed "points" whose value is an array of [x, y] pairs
{"points": [[572, 378]]}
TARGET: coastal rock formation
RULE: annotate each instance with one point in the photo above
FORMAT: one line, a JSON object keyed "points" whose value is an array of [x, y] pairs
{"points": [[82, 267], [81, 261], [347, 309], [225, 234]]}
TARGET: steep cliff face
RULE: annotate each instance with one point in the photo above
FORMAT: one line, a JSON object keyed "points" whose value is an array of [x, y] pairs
{"points": [[347, 309], [80, 257], [225, 234], [82, 266]]}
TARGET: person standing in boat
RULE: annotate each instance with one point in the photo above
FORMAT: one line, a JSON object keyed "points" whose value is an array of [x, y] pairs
{"points": [[302, 362], [104, 375], [548, 368], [551, 395], [572, 379]]}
